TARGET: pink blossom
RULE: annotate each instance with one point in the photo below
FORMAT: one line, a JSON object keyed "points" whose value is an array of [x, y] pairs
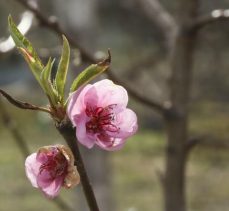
{"points": [[51, 168], [100, 115]]}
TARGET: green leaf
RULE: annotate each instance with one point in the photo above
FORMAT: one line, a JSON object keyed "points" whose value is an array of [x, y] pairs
{"points": [[27, 50], [86, 75], [90, 73], [62, 70], [45, 78]]}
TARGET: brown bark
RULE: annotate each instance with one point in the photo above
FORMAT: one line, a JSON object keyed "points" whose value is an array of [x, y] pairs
{"points": [[68, 132], [177, 127]]}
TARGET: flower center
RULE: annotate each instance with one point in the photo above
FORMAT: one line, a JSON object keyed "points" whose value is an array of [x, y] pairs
{"points": [[101, 119], [56, 164]]}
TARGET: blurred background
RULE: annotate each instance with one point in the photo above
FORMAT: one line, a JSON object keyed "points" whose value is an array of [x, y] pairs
{"points": [[127, 180]]}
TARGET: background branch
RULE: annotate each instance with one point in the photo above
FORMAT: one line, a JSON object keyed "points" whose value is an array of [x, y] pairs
{"points": [[12, 127], [161, 17], [214, 16], [52, 24], [207, 141]]}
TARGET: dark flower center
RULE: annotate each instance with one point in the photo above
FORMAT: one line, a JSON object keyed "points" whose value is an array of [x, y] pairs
{"points": [[101, 119], [56, 164]]}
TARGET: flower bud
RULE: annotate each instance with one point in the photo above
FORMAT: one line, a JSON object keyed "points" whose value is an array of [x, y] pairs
{"points": [[50, 168]]}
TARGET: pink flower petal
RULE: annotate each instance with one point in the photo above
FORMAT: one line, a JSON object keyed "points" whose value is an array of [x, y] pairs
{"points": [[127, 123], [32, 168], [112, 145], [81, 133], [110, 93], [41, 157], [53, 189], [90, 98], [76, 104], [44, 179]]}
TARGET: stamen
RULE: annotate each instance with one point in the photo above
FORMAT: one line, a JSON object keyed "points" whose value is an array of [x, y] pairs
{"points": [[56, 164], [101, 119]]}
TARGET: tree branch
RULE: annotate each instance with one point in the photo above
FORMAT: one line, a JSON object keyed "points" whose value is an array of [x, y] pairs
{"points": [[53, 25], [68, 132], [152, 104], [12, 127], [161, 17], [23, 105], [214, 16], [207, 141]]}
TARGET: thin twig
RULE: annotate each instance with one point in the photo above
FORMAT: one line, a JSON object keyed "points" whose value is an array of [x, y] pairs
{"points": [[23, 105], [156, 106], [214, 16], [68, 132], [10, 125], [53, 25], [161, 17], [206, 141]]}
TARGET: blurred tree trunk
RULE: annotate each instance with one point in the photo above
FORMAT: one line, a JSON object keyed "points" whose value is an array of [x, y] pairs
{"points": [[177, 126]]}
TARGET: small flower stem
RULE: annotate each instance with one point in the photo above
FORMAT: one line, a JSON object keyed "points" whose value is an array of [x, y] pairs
{"points": [[68, 132]]}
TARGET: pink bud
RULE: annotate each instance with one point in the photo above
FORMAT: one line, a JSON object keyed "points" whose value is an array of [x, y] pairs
{"points": [[100, 115], [51, 168]]}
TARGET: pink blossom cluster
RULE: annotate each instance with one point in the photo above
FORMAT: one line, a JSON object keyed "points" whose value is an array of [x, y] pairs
{"points": [[101, 117]]}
